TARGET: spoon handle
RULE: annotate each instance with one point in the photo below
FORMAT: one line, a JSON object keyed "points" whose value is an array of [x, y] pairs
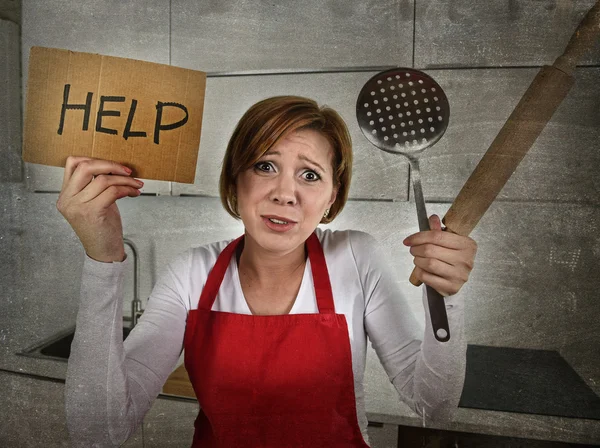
{"points": [[437, 311], [435, 301], [415, 174]]}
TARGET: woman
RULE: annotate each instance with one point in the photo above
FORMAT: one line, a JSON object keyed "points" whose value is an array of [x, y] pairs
{"points": [[274, 323]]}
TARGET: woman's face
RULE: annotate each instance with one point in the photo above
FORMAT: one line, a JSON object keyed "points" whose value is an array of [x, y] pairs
{"points": [[282, 198]]}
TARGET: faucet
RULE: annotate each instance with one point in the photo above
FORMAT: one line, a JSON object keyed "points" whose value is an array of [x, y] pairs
{"points": [[136, 304]]}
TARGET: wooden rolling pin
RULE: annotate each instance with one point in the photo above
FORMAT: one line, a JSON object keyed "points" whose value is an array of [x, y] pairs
{"points": [[540, 101]]}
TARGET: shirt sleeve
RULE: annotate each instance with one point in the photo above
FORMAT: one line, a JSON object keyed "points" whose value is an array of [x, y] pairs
{"points": [[428, 374], [111, 384]]}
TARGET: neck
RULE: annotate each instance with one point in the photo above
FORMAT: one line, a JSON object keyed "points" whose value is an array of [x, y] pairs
{"points": [[266, 267]]}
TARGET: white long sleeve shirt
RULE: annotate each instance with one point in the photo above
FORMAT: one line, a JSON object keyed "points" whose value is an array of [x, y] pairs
{"points": [[111, 384]]}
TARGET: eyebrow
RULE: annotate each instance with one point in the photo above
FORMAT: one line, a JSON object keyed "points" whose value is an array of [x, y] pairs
{"points": [[302, 157]]}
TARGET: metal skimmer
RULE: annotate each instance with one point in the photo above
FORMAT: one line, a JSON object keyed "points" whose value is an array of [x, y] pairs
{"points": [[404, 111]]}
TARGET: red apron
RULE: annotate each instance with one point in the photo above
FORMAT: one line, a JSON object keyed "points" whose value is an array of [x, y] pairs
{"points": [[272, 381]]}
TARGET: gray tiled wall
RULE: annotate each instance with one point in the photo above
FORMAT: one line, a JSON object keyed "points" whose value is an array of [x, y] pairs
{"points": [[226, 36], [536, 277], [10, 107], [559, 167], [496, 33]]}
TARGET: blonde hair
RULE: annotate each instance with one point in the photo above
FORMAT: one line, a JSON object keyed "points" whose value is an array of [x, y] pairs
{"points": [[272, 119]]}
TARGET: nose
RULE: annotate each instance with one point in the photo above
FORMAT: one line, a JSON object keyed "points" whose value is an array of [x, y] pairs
{"points": [[284, 190]]}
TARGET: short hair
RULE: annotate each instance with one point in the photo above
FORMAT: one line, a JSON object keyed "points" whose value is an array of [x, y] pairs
{"points": [[271, 120]]}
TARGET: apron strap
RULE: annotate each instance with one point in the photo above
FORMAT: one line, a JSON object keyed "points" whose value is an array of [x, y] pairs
{"points": [[216, 275], [320, 274]]}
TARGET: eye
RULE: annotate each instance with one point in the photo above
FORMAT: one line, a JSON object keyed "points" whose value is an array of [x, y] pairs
{"points": [[264, 166], [311, 176]]}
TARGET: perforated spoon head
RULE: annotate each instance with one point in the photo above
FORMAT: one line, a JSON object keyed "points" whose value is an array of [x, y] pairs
{"points": [[402, 111]]}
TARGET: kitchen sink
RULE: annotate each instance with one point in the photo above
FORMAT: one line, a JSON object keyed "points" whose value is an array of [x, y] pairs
{"points": [[57, 347]]}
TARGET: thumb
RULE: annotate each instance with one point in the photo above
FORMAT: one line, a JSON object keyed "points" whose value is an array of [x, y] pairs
{"points": [[435, 223]]}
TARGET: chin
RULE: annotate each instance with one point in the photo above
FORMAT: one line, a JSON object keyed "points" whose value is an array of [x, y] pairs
{"points": [[278, 241]]}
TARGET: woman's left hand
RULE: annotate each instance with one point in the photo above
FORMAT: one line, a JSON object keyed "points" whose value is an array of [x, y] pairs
{"points": [[443, 260]]}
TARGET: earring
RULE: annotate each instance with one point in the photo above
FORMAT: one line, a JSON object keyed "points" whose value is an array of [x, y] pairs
{"points": [[326, 213]]}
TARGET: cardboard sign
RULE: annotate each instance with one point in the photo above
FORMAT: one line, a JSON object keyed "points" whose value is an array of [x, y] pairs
{"points": [[147, 116]]}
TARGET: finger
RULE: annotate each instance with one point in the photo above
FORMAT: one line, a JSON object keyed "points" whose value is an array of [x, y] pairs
{"points": [[457, 274], [446, 239], [117, 187], [452, 257], [436, 267], [70, 165], [86, 170], [111, 194], [443, 286], [435, 223]]}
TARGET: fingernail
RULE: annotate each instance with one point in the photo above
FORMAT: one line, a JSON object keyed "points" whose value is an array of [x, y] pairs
{"points": [[127, 170]]}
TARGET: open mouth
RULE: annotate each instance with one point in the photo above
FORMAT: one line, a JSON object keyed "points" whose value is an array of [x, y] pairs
{"points": [[277, 221]]}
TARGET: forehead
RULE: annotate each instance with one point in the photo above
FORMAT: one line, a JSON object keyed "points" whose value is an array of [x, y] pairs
{"points": [[306, 141]]}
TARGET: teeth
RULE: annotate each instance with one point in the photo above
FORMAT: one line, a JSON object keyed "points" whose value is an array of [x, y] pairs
{"points": [[277, 221]]}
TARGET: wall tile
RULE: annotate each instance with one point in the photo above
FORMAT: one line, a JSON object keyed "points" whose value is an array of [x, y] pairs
{"points": [[561, 165], [112, 28], [11, 281], [224, 36], [10, 10], [10, 106], [463, 33]]}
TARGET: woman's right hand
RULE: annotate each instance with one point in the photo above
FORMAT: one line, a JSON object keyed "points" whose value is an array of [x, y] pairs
{"points": [[88, 202]]}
